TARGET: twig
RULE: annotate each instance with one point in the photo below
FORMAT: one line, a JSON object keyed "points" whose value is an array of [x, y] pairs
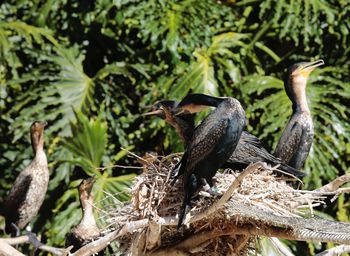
{"points": [[25, 239], [331, 188], [103, 242], [335, 184], [335, 251], [118, 166], [282, 248], [6, 249], [217, 205]]}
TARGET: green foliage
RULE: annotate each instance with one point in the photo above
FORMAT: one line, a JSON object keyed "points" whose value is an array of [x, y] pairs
{"points": [[88, 143], [89, 69]]}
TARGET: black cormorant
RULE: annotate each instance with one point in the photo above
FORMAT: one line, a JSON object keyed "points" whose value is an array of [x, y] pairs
{"points": [[296, 140], [28, 192], [211, 145], [249, 149], [86, 231]]}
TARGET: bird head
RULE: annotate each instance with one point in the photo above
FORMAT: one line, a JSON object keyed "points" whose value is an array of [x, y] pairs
{"points": [[300, 71], [160, 107], [85, 187], [296, 78], [37, 133], [38, 126]]}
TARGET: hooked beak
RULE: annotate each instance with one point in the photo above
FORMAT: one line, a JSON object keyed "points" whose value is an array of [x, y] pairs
{"points": [[312, 65], [153, 113]]}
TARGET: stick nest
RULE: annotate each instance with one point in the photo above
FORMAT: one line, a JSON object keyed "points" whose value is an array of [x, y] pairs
{"points": [[154, 199]]}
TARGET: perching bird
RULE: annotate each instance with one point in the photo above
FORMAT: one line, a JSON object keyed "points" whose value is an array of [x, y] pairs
{"points": [[296, 140], [28, 192], [211, 145], [249, 149], [87, 230]]}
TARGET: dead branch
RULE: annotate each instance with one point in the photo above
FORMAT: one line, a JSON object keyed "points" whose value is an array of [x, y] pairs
{"points": [[6, 249], [332, 188], [335, 251], [335, 184], [25, 239], [281, 247], [103, 242]]}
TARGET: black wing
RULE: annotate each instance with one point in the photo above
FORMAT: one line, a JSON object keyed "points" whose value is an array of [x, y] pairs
{"points": [[289, 143]]}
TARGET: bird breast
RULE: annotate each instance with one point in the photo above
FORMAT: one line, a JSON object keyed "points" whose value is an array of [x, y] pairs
{"points": [[35, 194]]}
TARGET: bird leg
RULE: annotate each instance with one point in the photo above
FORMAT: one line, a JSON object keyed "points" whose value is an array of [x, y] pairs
{"points": [[18, 231], [190, 188], [179, 169], [174, 174], [34, 240], [207, 188]]}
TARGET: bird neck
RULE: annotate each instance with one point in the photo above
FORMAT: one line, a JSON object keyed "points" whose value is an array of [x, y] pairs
{"points": [[296, 91], [37, 141], [300, 104], [185, 126], [38, 147], [88, 215]]}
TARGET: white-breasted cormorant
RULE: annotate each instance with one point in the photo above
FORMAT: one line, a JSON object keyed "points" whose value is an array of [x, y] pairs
{"points": [[86, 231], [211, 145], [296, 140], [28, 192]]}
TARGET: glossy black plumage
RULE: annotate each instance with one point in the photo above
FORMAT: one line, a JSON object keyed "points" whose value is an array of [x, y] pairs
{"points": [[296, 140], [28, 192], [249, 149], [212, 143]]}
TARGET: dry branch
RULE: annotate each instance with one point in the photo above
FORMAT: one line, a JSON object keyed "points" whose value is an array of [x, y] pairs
{"points": [[335, 251], [6, 249], [25, 239]]}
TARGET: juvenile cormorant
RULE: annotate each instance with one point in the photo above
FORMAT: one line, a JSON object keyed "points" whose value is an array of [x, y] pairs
{"points": [[249, 149], [28, 192], [211, 145], [296, 140], [184, 124], [87, 230]]}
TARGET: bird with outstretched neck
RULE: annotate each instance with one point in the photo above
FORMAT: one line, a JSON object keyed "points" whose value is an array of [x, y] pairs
{"points": [[296, 140], [86, 231], [249, 149], [212, 143], [28, 192]]}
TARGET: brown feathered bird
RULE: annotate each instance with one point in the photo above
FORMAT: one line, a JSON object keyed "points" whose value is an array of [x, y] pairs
{"points": [[87, 230], [28, 192]]}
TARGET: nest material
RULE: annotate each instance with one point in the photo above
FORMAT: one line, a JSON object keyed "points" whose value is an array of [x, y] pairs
{"points": [[260, 200]]}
